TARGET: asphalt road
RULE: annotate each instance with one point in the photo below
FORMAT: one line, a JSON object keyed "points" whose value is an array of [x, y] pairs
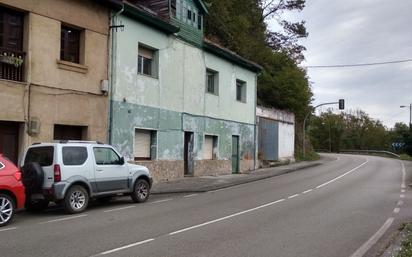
{"points": [[338, 209]]}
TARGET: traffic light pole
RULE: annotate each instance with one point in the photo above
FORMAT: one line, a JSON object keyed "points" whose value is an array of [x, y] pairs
{"points": [[341, 104]]}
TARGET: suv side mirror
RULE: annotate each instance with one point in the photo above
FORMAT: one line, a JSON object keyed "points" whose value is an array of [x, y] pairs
{"points": [[122, 161]]}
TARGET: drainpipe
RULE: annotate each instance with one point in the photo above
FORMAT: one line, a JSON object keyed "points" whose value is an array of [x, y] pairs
{"points": [[255, 126], [112, 69]]}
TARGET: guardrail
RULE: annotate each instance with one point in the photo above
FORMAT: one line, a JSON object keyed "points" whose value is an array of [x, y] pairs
{"points": [[371, 152]]}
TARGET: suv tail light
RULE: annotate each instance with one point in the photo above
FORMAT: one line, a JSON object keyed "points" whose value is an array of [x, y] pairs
{"points": [[57, 173], [17, 175]]}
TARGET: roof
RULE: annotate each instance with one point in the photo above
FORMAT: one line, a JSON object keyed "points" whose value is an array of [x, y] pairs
{"points": [[229, 55], [202, 6]]}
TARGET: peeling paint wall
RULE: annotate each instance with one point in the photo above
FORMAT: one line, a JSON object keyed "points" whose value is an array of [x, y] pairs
{"points": [[176, 101]]}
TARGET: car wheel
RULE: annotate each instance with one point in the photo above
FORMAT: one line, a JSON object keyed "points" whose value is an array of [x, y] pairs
{"points": [[141, 191], [6, 209], [76, 199], [36, 205]]}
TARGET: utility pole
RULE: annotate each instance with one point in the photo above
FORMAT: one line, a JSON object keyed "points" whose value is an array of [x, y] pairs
{"points": [[410, 114], [341, 103]]}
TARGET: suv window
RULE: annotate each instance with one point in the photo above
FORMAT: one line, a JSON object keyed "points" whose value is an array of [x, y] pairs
{"points": [[73, 155], [43, 155], [106, 156]]}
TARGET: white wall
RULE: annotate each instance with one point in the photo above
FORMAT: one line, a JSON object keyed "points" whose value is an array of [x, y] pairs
{"points": [[180, 85]]}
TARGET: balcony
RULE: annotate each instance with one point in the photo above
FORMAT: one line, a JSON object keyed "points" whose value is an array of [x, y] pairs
{"points": [[12, 65]]}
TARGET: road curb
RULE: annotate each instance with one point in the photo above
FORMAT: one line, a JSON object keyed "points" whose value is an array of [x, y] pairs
{"points": [[240, 182]]}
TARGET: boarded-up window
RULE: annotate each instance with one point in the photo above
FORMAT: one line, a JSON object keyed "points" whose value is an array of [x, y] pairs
{"points": [[144, 141], [210, 148]]}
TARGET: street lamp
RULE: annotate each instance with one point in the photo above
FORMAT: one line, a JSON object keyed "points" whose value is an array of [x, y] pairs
{"points": [[410, 114]]}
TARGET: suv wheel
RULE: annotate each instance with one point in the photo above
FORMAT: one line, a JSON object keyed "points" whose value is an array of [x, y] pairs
{"points": [[141, 191], [76, 199], [6, 209]]}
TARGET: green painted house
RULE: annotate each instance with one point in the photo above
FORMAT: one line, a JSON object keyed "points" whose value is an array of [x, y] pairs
{"points": [[180, 104]]}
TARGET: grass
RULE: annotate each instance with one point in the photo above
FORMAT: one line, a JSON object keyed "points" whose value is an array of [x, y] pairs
{"points": [[309, 156], [406, 157], [406, 247]]}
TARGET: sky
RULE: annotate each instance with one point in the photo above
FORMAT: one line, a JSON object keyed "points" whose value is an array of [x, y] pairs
{"points": [[360, 31]]}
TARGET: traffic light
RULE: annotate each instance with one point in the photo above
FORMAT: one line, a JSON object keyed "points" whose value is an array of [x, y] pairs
{"points": [[341, 104]]}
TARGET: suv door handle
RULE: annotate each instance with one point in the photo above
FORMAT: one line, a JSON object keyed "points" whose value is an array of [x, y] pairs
{"points": [[99, 170]]}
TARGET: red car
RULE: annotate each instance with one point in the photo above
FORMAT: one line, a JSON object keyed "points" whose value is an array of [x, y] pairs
{"points": [[12, 195]]}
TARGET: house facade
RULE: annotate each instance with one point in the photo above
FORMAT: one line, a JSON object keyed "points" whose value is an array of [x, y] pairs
{"points": [[53, 67], [180, 104]]}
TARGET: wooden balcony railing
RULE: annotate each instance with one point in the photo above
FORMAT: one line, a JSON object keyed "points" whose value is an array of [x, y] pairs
{"points": [[12, 64]]}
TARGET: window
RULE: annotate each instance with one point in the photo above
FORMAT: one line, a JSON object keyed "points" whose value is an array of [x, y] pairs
{"points": [[199, 21], [241, 91], [67, 132], [146, 61], [210, 148], [11, 30], [106, 156], [70, 44], [144, 144], [43, 155], [212, 82], [74, 155], [189, 15]]}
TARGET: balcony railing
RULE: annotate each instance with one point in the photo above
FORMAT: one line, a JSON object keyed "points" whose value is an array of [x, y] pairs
{"points": [[12, 64]]}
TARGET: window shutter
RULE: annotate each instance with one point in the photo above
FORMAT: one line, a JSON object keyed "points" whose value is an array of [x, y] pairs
{"points": [[208, 148], [142, 143], [146, 53]]}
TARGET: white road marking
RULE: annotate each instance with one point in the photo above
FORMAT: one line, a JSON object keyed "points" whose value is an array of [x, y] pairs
{"points": [[119, 209], [226, 217], [402, 196], [162, 201], [63, 219], [366, 246], [293, 196], [8, 229], [403, 186], [400, 203], [186, 196], [341, 176], [125, 247], [403, 190], [396, 210], [307, 191]]}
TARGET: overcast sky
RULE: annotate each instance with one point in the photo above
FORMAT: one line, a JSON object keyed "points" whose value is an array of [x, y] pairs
{"points": [[361, 31]]}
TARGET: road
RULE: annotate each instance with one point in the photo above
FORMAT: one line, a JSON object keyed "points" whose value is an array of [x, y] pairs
{"points": [[340, 208]]}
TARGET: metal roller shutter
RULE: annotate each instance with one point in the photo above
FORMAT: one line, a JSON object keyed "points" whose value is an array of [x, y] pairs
{"points": [[142, 143]]}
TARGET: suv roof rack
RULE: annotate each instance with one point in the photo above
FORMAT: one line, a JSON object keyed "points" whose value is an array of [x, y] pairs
{"points": [[80, 142]]}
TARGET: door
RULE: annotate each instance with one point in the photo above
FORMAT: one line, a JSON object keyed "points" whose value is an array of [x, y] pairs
{"points": [[9, 139], [235, 154], [188, 153], [110, 173]]}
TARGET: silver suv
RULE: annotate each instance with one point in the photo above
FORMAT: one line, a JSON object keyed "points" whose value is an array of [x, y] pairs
{"points": [[72, 172]]}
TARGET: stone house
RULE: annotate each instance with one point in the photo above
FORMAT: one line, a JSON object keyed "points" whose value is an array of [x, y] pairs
{"points": [[180, 104], [53, 72]]}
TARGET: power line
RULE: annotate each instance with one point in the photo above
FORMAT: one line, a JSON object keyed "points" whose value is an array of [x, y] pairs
{"points": [[357, 65]]}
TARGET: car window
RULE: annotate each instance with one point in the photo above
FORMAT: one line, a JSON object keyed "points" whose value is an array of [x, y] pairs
{"points": [[73, 155], [106, 156], [43, 155], [1, 166]]}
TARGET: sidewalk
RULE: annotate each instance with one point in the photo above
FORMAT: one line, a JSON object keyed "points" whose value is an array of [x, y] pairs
{"points": [[209, 183]]}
